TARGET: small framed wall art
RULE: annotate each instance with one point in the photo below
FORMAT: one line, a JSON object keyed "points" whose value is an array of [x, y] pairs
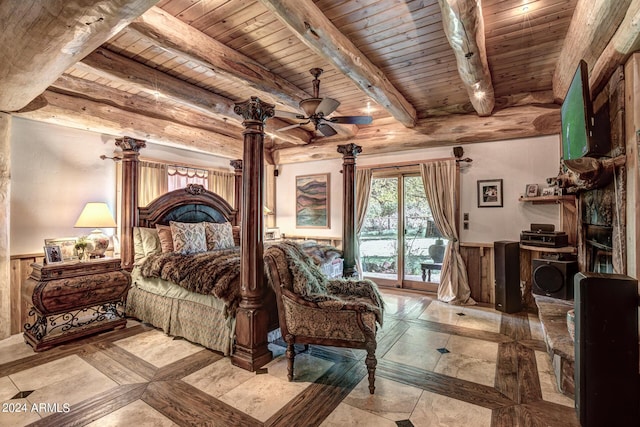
{"points": [[490, 193]]}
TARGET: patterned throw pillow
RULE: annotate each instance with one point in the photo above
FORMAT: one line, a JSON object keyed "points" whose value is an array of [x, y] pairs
{"points": [[166, 241], [219, 235], [188, 238]]}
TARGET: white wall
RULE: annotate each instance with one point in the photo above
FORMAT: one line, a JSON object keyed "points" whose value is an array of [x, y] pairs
{"points": [[516, 162], [56, 170]]}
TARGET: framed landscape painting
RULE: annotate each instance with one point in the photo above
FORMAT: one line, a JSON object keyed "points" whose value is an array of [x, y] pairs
{"points": [[312, 201]]}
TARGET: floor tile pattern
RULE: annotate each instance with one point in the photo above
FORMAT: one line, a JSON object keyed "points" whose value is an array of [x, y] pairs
{"points": [[438, 365]]}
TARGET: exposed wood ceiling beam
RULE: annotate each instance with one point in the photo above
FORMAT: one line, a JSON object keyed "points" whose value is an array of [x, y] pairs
{"points": [[90, 115], [464, 27], [154, 108], [173, 35], [517, 122], [593, 24], [313, 28], [115, 67], [40, 40], [624, 42]]}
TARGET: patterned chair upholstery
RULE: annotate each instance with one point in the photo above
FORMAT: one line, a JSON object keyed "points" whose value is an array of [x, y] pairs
{"points": [[315, 310]]}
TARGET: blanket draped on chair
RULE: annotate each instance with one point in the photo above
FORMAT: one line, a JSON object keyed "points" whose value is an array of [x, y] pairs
{"points": [[311, 284]]}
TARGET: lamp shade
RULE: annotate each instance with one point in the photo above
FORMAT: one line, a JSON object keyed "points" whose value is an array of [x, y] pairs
{"points": [[96, 215]]}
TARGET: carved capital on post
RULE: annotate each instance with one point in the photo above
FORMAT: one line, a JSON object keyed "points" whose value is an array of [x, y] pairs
{"points": [[349, 150], [254, 110], [236, 165], [129, 214], [126, 143]]}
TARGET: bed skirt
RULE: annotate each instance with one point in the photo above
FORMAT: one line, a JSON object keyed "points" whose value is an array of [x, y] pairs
{"points": [[193, 321]]}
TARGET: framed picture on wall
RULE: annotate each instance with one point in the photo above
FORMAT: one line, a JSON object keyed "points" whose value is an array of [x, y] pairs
{"points": [[312, 201], [490, 193]]}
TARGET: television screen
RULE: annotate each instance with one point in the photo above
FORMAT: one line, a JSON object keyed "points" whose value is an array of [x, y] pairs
{"points": [[577, 117]]}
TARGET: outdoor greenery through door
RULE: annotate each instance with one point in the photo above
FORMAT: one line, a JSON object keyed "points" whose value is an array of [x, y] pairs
{"points": [[393, 258]]}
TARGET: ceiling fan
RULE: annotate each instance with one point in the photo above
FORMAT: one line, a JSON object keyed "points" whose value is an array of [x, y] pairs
{"points": [[317, 109]]}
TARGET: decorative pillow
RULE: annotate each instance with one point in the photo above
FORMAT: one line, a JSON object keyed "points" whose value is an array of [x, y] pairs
{"points": [[145, 242], [219, 235], [188, 238], [166, 241]]}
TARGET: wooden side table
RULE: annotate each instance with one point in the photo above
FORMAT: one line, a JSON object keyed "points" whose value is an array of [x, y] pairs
{"points": [[69, 300]]}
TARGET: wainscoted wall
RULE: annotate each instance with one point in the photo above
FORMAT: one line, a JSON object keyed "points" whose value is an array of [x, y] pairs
{"points": [[20, 270]]}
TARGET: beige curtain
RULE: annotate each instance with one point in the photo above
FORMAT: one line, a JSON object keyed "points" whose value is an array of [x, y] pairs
{"points": [[439, 179], [363, 189], [152, 181], [222, 183]]}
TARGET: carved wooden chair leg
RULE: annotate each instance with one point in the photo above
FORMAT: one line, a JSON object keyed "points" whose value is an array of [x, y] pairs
{"points": [[371, 363], [291, 354]]}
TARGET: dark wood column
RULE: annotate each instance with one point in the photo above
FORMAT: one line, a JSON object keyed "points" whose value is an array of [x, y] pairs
{"points": [[252, 318], [129, 217], [237, 189], [349, 153]]}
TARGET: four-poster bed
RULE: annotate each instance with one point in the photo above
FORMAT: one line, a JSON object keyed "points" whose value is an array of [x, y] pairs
{"points": [[203, 320]]}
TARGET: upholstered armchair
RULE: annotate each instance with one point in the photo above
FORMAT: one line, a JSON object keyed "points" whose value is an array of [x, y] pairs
{"points": [[315, 310]]}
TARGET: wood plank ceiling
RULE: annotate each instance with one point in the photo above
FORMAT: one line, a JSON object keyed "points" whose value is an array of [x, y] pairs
{"points": [[430, 72]]}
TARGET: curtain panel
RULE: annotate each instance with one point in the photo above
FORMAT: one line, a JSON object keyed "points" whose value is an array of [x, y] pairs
{"points": [[152, 181], [363, 190], [439, 179]]}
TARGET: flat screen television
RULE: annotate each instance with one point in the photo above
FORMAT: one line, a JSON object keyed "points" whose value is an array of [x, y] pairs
{"points": [[579, 134]]}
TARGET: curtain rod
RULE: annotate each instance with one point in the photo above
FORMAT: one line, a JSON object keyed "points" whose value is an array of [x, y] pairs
{"points": [[411, 163]]}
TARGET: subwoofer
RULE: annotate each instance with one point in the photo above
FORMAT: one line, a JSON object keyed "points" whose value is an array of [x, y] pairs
{"points": [[607, 384], [507, 272], [553, 278]]}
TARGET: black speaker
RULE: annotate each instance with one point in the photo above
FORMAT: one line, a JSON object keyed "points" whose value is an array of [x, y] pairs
{"points": [[553, 278], [507, 272], [607, 384]]}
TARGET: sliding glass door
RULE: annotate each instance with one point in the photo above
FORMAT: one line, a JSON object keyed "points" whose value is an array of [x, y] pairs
{"points": [[398, 232]]}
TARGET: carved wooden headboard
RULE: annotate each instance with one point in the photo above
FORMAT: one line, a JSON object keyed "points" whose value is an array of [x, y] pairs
{"points": [[191, 204]]}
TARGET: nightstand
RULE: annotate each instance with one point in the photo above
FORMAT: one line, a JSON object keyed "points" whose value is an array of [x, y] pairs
{"points": [[68, 300]]}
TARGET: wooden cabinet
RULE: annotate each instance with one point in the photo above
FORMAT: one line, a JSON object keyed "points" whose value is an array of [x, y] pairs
{"points": [[69, 300]]}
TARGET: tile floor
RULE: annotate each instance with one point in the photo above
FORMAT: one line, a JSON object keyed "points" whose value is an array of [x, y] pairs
{"points": [[438, 365]]}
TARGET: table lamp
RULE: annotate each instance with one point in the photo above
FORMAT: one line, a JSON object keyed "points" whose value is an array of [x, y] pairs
{"points": [[96, 215]]}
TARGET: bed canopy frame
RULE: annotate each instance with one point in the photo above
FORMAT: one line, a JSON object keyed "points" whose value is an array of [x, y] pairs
{"points": [[252, 318]]}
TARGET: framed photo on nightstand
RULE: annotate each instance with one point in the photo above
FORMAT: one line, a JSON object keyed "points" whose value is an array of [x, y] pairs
{"points": [[52, 254]]}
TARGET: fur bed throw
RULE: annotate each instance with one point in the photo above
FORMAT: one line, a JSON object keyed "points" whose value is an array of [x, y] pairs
{"points": [[311, 284], [215, 272]]}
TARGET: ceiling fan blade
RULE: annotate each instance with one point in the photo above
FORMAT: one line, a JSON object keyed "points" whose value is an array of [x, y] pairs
{"points": [[288, 114], [352, 120], [289, 127], [327, 106], [326, 130]]}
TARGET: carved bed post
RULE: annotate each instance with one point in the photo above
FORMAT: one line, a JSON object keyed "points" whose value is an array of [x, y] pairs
{"points": [[349, 153], [129, 218], [237, 189], [252, 317]]}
